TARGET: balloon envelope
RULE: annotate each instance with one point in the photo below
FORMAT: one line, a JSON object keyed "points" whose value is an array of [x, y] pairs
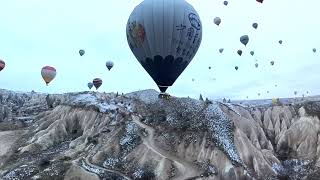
{"points": [[272, 63], [257, 65], [48, 73], [314, 50], [97, 82], [225, 3], [280, 42], [244, 39], [239, 52], [252, 53], [236, 67], [109, 65], [81, 52], [260, 1], [221, 50], [164, 36], [217, 21], [90, 85], [2, 64]]}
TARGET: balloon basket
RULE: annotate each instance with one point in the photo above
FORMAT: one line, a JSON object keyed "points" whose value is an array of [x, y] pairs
{"points": [[165, 96]]}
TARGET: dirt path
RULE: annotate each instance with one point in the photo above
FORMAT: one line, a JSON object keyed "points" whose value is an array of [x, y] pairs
{"points": [[186, 168], [105, 169]]}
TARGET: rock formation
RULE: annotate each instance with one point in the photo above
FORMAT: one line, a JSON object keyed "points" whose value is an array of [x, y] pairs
{"points": [[91, 135]]}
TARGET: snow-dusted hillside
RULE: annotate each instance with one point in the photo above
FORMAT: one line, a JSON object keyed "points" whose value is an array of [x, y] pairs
{"points": [[90, 135]]}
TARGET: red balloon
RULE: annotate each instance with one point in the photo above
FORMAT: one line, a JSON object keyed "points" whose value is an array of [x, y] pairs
{"points": [[97, 82], [2, 64]]}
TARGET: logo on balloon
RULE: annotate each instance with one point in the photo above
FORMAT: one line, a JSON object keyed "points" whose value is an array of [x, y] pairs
{"points": [[195, 21], [137, 33]]}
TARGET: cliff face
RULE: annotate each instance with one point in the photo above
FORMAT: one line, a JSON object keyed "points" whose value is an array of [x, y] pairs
{"points": [[92, 135]]}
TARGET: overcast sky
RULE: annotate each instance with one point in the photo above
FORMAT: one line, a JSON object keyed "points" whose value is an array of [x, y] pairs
{"points": [[36, 33]]}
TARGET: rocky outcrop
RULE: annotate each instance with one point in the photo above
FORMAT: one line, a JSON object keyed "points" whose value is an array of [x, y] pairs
{"points": [[139, 136]]}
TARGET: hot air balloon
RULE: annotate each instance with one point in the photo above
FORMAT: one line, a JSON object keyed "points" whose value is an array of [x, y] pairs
{"points": [[295, 92], [314, 50], [268, 92], [260, 1], [209, 67], [255, 25], [280, 42], [239, 52], [244, 39], [272, 63], [257, 65], [109, 65], [81, 52], [164, 36], [225, 3], [276, 85], [259, 94], [221, 50], [2, 64], [48, 73], [192, 79], [90, 85], [97, 82], [217, 21], [252, 53], [236, 68]]}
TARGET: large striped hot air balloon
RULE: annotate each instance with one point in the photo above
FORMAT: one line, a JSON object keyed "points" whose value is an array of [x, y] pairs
{"points": [[48, 73], [164, 36], [2, 64], [97, 82]]}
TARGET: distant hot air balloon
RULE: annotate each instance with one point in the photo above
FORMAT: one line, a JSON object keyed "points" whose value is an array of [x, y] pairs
{"points": [[260, 1], [252, 53], [295, 92], [247, 97], [257, 65], [280, 42], [109, 65], [2, 64], [276, 85], [239, 52], [97, 82], [81, 52], [244, 39], [209, 67], [255, 25], [236, 68], [268, 92], [192, 79], [225, 3], [48, 73], [272, 63], [221, 50], [259, 94], [217, 21], [314, 50], [90, 85], [154, 33]]}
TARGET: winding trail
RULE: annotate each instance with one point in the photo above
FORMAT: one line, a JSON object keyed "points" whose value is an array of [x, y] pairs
{"points": [[91, 153], [187, 169]]}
